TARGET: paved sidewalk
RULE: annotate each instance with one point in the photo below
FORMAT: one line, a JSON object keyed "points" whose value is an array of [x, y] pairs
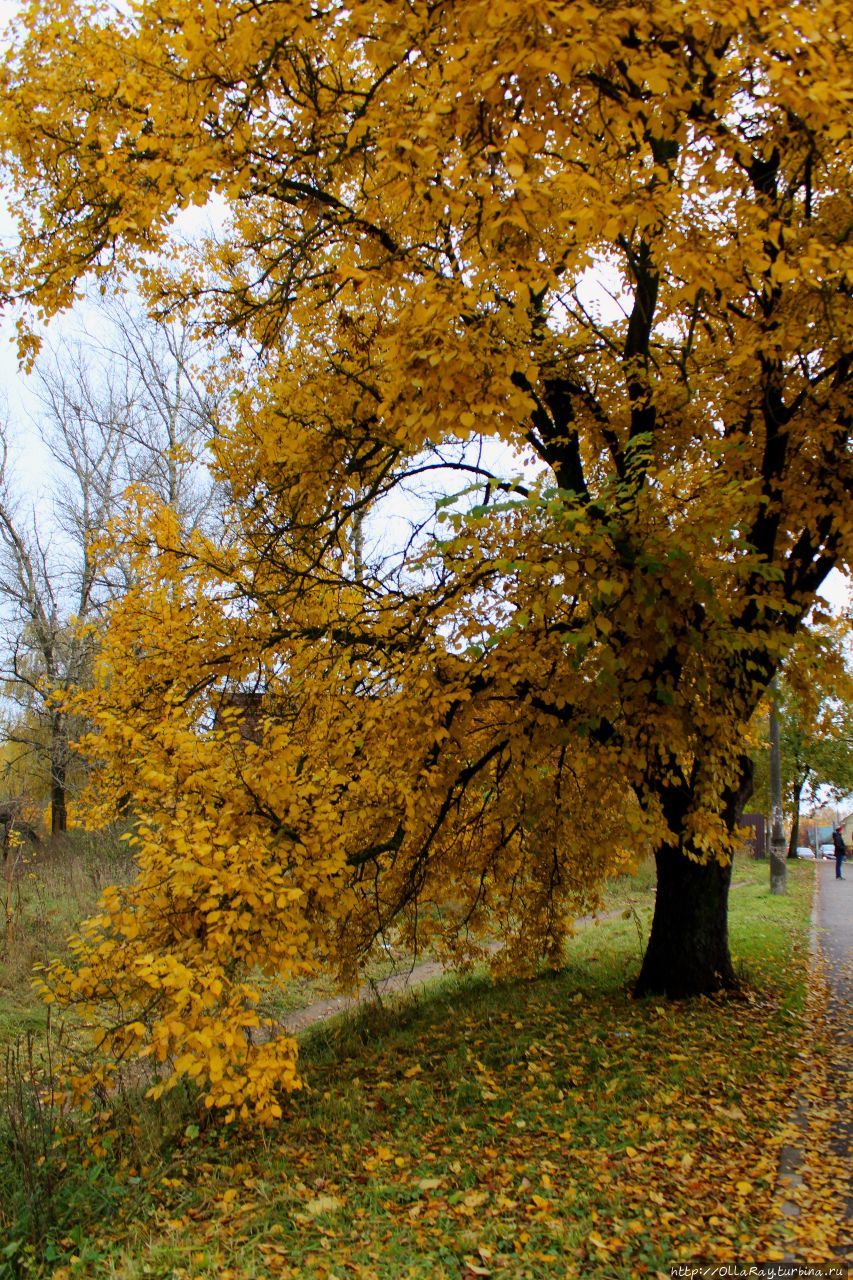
{"points": [[835, 926], [819, 1147]]}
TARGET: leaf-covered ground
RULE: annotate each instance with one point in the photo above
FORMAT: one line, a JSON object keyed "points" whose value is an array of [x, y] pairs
{"points": [[548, 1128]]}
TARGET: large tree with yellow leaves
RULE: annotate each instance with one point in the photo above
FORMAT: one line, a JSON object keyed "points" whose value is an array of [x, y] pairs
{"points": [[580, 267]]}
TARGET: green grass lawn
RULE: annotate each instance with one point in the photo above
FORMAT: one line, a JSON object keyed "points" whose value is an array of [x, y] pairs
{"points": [[546, 1128], [45, 892], [55, 886]]}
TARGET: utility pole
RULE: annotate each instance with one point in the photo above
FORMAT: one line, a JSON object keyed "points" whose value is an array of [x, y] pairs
{"points": [[778, 868], [358, 545]]}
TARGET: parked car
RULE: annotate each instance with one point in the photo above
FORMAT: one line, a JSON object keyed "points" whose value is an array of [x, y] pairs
{"points": [[804, 852], [827, 851]]}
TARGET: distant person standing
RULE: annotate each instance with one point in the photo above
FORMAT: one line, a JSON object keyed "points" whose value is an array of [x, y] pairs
{"points": [[840, 851]]}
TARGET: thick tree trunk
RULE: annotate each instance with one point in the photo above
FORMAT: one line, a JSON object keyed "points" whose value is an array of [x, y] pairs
{"points": [[688, 948]]}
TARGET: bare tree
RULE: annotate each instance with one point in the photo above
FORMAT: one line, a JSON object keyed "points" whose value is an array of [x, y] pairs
{"points": [[47, 588], [130, 409], [173, 411]]}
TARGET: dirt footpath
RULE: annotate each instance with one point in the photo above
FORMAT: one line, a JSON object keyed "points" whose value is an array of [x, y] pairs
{"points": [[407, 980]]}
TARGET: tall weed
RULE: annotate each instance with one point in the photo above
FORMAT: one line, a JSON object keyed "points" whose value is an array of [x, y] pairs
{"points": [[33, 1151]]}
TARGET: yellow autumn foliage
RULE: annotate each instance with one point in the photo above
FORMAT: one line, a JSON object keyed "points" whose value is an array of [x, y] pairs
{"points": [[577, 273]]}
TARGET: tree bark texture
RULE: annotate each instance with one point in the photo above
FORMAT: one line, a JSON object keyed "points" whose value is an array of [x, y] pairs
{"points": [[58, 777], [58, 810], [688, 947]]}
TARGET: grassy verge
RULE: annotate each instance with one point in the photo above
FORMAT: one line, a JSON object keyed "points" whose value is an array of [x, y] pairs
{"points": [[538, 1129], [635, 890], [45, 892], [629, 893], [49, 890]]}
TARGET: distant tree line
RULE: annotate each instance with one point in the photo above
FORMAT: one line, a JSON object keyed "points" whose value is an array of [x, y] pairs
{"points": [[128, 408]]}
